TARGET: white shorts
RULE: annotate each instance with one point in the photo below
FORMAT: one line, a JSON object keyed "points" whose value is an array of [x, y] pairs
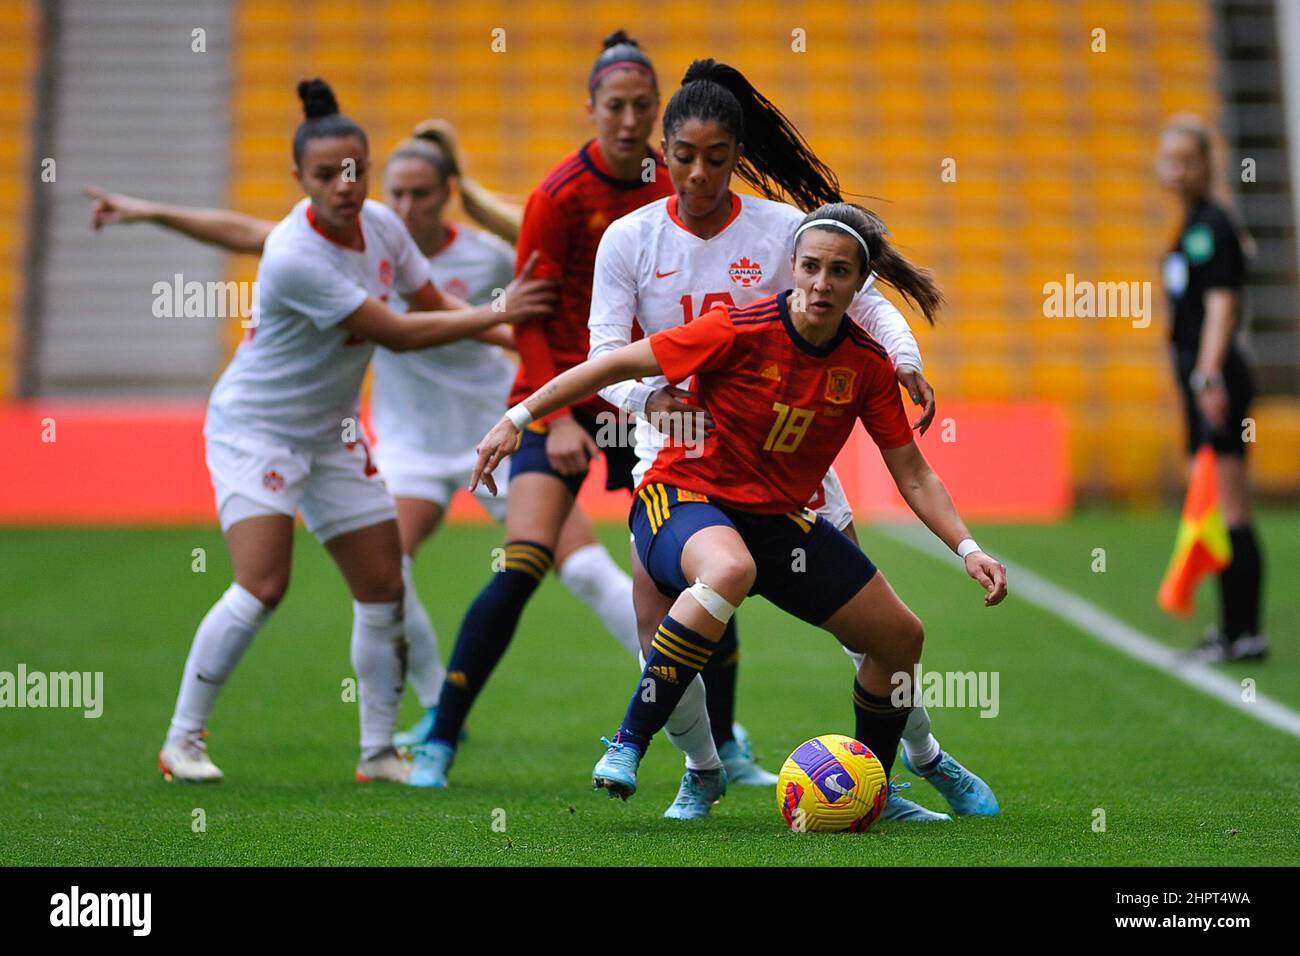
{"points": [[336, 488], [831, 503], [410, 473]]}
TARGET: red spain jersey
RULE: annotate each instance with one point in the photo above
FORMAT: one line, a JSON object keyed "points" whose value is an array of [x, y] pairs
{"points": [[564, 219], [783, 407]]}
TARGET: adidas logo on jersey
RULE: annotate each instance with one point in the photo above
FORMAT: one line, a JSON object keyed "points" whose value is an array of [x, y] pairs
{"points": [[772, 372], [746, 272]]}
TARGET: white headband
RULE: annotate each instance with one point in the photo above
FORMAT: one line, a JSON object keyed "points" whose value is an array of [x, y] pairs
{"points": [[838, 225]]}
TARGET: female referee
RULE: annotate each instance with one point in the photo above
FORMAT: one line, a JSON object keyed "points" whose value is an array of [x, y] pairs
{"points": [[282, 435], [1204, 274], [703, 246], [423, 458], [713, 527]]}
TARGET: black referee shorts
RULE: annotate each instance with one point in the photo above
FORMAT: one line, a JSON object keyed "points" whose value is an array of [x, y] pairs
{"points": [[1241, 390]]}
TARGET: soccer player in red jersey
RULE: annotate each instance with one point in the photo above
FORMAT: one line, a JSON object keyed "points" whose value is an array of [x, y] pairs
{"points": [[715, 525], [564, 220]]}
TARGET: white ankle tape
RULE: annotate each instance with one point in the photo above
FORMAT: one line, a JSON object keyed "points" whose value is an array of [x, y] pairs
{"points": [[718, 607]]}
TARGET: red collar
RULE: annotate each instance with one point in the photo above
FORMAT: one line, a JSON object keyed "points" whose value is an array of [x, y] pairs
{"points": [[735, 211], [311, 218], [452, 234]]}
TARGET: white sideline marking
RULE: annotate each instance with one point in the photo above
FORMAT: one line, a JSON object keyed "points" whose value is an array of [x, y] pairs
{"points": [[1110, 630]]}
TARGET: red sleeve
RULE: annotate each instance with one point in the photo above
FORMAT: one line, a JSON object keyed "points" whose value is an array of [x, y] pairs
{"points": [[881, 408], [698, 346], [543, 229]]}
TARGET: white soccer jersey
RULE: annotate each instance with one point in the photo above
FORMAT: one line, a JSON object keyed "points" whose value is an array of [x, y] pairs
{"points": [[297, 375], [651, 267], [433, 405]]}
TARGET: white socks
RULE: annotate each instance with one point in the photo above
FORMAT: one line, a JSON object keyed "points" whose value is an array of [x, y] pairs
{"points": [[919, 743], [379, 658], [424, 668], [223, 635], [688, 726], [594, 579]]}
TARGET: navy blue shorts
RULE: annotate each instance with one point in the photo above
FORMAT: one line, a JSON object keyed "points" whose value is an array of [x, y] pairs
{"points": [[531, 456], [806, 566]]}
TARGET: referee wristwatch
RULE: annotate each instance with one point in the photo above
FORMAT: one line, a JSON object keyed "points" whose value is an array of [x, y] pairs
{"points": [[1204, 381]]}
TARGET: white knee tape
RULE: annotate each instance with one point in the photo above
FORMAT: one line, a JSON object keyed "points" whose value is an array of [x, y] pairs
{"points": [[713, 602]]}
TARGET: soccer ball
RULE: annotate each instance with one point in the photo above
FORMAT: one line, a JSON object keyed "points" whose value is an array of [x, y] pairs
{"points": [[831, 784]]}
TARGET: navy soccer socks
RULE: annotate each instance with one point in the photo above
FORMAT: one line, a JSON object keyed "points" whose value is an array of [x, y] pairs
{"points": [[676, 655], [878, 724], [485, 634]]}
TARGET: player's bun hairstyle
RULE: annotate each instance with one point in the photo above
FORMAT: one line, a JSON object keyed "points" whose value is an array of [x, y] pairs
{"points": [[322, 119], [916, 284], [427, 145], [619, 52], [777, 161]]}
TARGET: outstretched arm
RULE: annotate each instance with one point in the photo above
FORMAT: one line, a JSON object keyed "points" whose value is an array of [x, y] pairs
{"points": [[579, 382], [926, 495], [218, 227]]}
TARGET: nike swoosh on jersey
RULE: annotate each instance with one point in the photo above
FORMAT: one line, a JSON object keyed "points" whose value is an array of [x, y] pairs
{"points": [[665, 275]]}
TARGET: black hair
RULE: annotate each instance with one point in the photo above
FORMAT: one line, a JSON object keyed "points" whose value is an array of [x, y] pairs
{"points": [[916, 284], [618, 48], [322, 119], [777, 161]]}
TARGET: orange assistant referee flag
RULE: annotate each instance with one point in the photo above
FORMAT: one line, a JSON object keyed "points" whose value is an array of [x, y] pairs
{"points": [[1202, 546]]}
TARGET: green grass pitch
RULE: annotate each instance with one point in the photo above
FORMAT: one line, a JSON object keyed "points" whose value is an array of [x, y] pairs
{"points": [[1182, 779]]}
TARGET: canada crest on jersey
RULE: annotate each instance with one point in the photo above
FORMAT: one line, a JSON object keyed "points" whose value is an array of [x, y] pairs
{"points": [[385, 272], [457, 287], [839, 385], [746, 272]]}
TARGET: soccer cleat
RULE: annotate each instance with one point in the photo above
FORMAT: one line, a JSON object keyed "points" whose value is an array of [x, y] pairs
{"points": [[186, 759], [1248, 647], [387, 767], [616, 771], [738, 757], [967, 794], [898, 807], [699, 791], [432, 761], [420, 730], [1213, 649]]}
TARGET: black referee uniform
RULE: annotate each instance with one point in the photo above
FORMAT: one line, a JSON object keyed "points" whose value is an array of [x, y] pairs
{"points": [[1208, 255]]}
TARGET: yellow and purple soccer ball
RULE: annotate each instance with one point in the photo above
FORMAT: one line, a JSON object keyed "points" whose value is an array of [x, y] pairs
{"points": [[831, 784]]}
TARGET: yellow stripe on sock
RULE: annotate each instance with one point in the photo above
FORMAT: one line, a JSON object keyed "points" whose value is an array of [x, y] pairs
{"points": [[685, 648], [525, 568], [520, 557], [657, 645]]}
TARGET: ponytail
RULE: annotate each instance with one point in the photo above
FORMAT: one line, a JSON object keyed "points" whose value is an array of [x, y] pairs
{"points": [[777, 161], [914, 283]]}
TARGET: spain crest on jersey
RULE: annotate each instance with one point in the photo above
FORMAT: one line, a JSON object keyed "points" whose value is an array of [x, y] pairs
{"points": [[839, 385]]}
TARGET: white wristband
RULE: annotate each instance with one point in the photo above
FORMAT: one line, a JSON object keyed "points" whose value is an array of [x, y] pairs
{"points": [[967, 546], [520, 416]]}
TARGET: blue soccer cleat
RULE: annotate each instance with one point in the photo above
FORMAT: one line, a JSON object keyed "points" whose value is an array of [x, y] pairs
{"points": [[738, 757], [967, 794], [899, 808], [699, 791], [432, 761], [420, 730], [616, 771]]}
